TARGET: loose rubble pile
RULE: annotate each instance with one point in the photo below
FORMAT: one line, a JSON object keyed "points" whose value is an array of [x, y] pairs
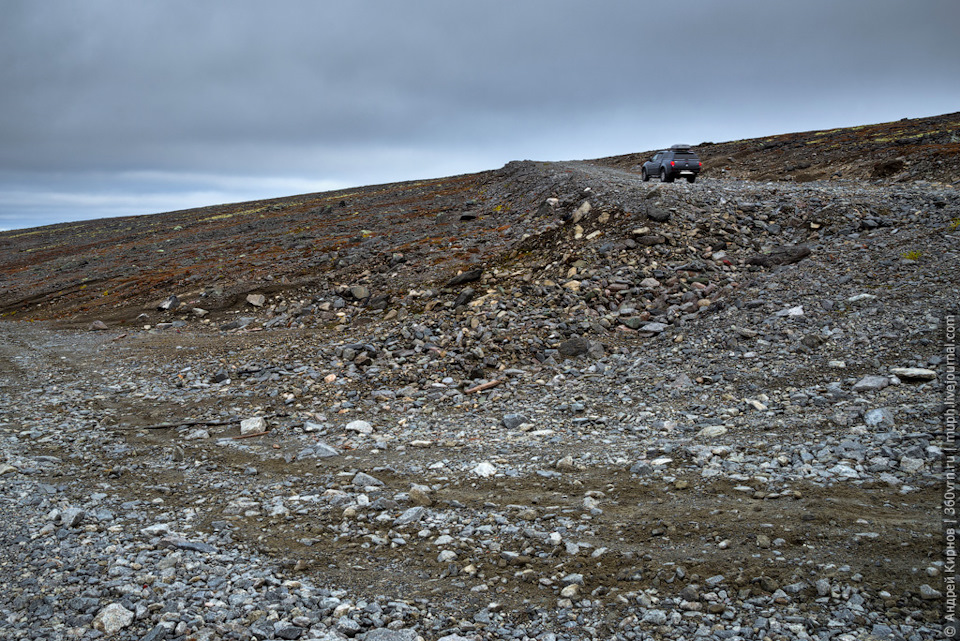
{"points": [[641, 412]]}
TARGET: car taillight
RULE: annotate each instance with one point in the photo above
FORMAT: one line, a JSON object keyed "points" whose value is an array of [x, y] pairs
{"points": [[672, 163], [699, 164]]}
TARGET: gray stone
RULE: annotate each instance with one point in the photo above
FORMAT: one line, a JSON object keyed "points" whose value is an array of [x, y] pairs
{"points": [[348, 626], [779, 256], [170, 304], [658, 215], [655, 328], [465, 296], [654, 617], [513, 421], [871, 384], [466, 277], [362, 479], [576, 346], [876, 417], [712, 431], [284, 630], [257, 300], [384, 634], [910, 465], [158, 633], [72, 516], [193, 546], [322, 450], [914, 373], [411, 515], [359, 292]]}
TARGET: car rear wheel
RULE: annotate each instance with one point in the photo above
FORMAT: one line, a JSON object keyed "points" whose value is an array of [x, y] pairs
{"points": [[691, 179], [664, 177], [643, 175]]}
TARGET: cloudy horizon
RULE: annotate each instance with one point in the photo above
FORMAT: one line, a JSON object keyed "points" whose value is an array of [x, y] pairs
{"points": [[113, 108]]}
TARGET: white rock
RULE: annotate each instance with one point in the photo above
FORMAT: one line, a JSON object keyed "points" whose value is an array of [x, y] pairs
{"points": [[253, 425], [844, 471], [361, 427], [198, 433], [156, 530], [485, 469], [791, 312], [654, 327], [712, 431], [910, 465], [581, 211], [113, 618], [654, 617], [914, 372]]}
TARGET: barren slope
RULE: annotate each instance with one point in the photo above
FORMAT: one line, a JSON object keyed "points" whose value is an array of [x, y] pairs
{"points": [[548, 401]]}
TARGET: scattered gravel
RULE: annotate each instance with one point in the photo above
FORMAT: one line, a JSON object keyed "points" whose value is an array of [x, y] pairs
{"points": [[621, 428]]}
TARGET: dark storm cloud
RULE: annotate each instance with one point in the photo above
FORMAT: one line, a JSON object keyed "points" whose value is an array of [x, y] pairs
{"points": [[193, 97]]}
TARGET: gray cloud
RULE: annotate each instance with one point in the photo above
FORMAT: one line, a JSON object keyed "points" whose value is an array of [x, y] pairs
{"points": [[371, 91]]}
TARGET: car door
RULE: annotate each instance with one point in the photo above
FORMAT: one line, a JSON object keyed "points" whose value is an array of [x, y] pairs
{"points": [[655, 163]]}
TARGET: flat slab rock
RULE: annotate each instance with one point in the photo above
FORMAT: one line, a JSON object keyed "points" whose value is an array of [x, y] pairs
{"points": [[780, 256], [914, 373], [871, 384]]}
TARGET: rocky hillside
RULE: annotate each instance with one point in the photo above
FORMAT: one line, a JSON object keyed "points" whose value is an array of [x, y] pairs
{"points": [[413, 235], [902, 151], [546, 402]]}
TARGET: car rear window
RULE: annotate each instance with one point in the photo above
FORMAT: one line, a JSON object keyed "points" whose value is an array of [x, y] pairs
{"points": [[685, 154]]}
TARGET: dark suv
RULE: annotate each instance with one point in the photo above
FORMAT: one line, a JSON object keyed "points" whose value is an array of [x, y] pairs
{"points": [[680, 161]]}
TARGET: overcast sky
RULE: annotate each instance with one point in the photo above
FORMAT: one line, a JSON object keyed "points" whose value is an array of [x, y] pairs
{"points": [[113, 107]]}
